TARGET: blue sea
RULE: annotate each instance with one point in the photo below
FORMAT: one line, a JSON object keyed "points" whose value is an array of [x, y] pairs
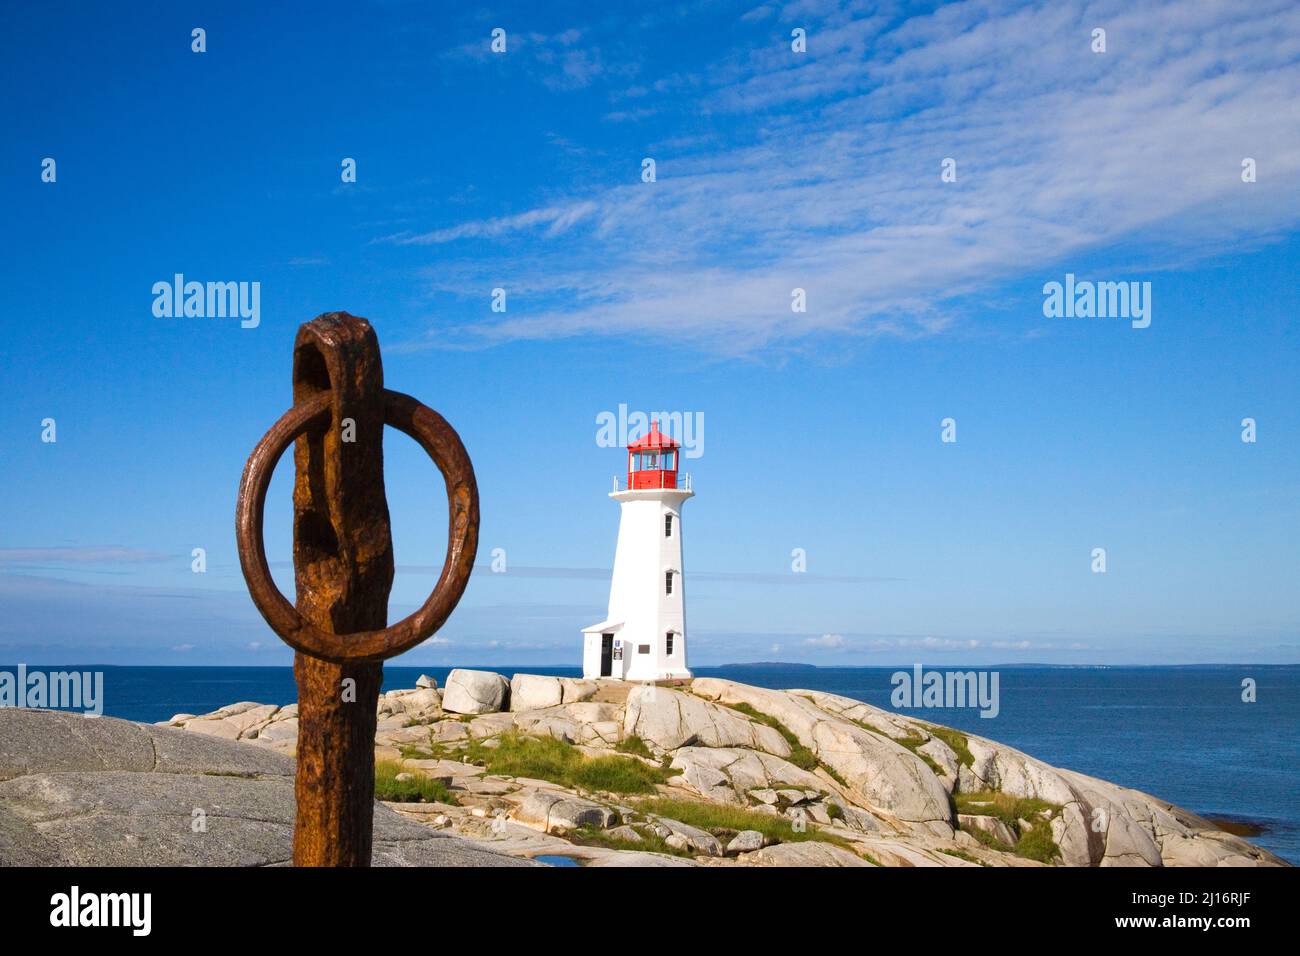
{"points": [[1181, 733]]}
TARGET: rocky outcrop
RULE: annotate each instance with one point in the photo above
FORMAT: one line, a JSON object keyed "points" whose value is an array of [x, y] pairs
{"points": [[683, 836], [859, 785], [106, 792], [475, 692], [277, 727], [669, 719], [531, 692], [745, 841], [885, 775], [742, 776], [803, 854], [556, 812]]}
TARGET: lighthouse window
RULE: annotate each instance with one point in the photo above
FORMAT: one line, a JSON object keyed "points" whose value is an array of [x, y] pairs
{"points": [[668, 526], [668, 461], [668, 643], [668, 582]]}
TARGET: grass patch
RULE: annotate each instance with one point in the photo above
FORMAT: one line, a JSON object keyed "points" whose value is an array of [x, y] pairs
{"points": [[1035, 843], [957, 741], [618, 775], [989, 840], [649, 842], [731, 820], [634, 745], [418, 789], [545, 758], [1038, 844], [1010, 810]]}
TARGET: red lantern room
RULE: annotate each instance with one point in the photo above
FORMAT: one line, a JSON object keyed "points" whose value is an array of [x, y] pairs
{"points": [[652, 460]]}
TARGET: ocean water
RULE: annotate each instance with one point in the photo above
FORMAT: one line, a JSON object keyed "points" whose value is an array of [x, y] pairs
{"points": [[1181, 733]]}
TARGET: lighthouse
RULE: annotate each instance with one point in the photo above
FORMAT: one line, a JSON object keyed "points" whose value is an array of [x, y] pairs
{"points": [[643, 636]]}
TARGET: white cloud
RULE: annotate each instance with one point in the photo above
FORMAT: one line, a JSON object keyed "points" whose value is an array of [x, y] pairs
{"points": [[561, 61], [826, 641], [830, 180], [925, 643], [557, 219]]}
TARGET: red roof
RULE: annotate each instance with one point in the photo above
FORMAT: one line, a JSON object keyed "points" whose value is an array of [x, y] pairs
{"points": [[653, 439]]}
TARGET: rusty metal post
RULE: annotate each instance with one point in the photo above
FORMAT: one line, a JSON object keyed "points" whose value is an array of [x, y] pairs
{"points": [[343, 569]]}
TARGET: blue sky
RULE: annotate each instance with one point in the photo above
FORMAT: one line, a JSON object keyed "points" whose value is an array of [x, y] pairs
{"points": [[774, 170]]}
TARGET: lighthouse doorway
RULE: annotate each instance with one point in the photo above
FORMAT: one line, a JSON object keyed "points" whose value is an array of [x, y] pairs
{"points": [[606, 655]]}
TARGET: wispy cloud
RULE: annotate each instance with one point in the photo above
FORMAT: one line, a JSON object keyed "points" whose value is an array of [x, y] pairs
{"points": [[829, 176], [556, 219], [562, 61]]}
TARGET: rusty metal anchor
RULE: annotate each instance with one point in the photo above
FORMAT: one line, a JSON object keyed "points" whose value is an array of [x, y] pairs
{"points": [[343, 569]]}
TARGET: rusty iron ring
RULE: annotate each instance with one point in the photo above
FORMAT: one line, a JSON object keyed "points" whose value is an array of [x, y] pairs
{"points": [[443, 445]]}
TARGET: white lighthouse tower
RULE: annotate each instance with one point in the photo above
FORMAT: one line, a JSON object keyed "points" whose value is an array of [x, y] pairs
{"points": [[643, 637]]}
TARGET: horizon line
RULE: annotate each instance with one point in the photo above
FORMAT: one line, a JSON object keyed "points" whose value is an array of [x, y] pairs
{"points": [[771, 664]]}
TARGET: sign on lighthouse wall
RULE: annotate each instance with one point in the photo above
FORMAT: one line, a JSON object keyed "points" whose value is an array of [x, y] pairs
{"points": [[643, 636]]}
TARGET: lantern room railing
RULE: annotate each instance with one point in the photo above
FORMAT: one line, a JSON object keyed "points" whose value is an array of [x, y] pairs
{"points": [[683, 482]]}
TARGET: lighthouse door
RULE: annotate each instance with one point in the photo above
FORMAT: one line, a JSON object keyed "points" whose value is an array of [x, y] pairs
{"points": [[606, 654]]}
